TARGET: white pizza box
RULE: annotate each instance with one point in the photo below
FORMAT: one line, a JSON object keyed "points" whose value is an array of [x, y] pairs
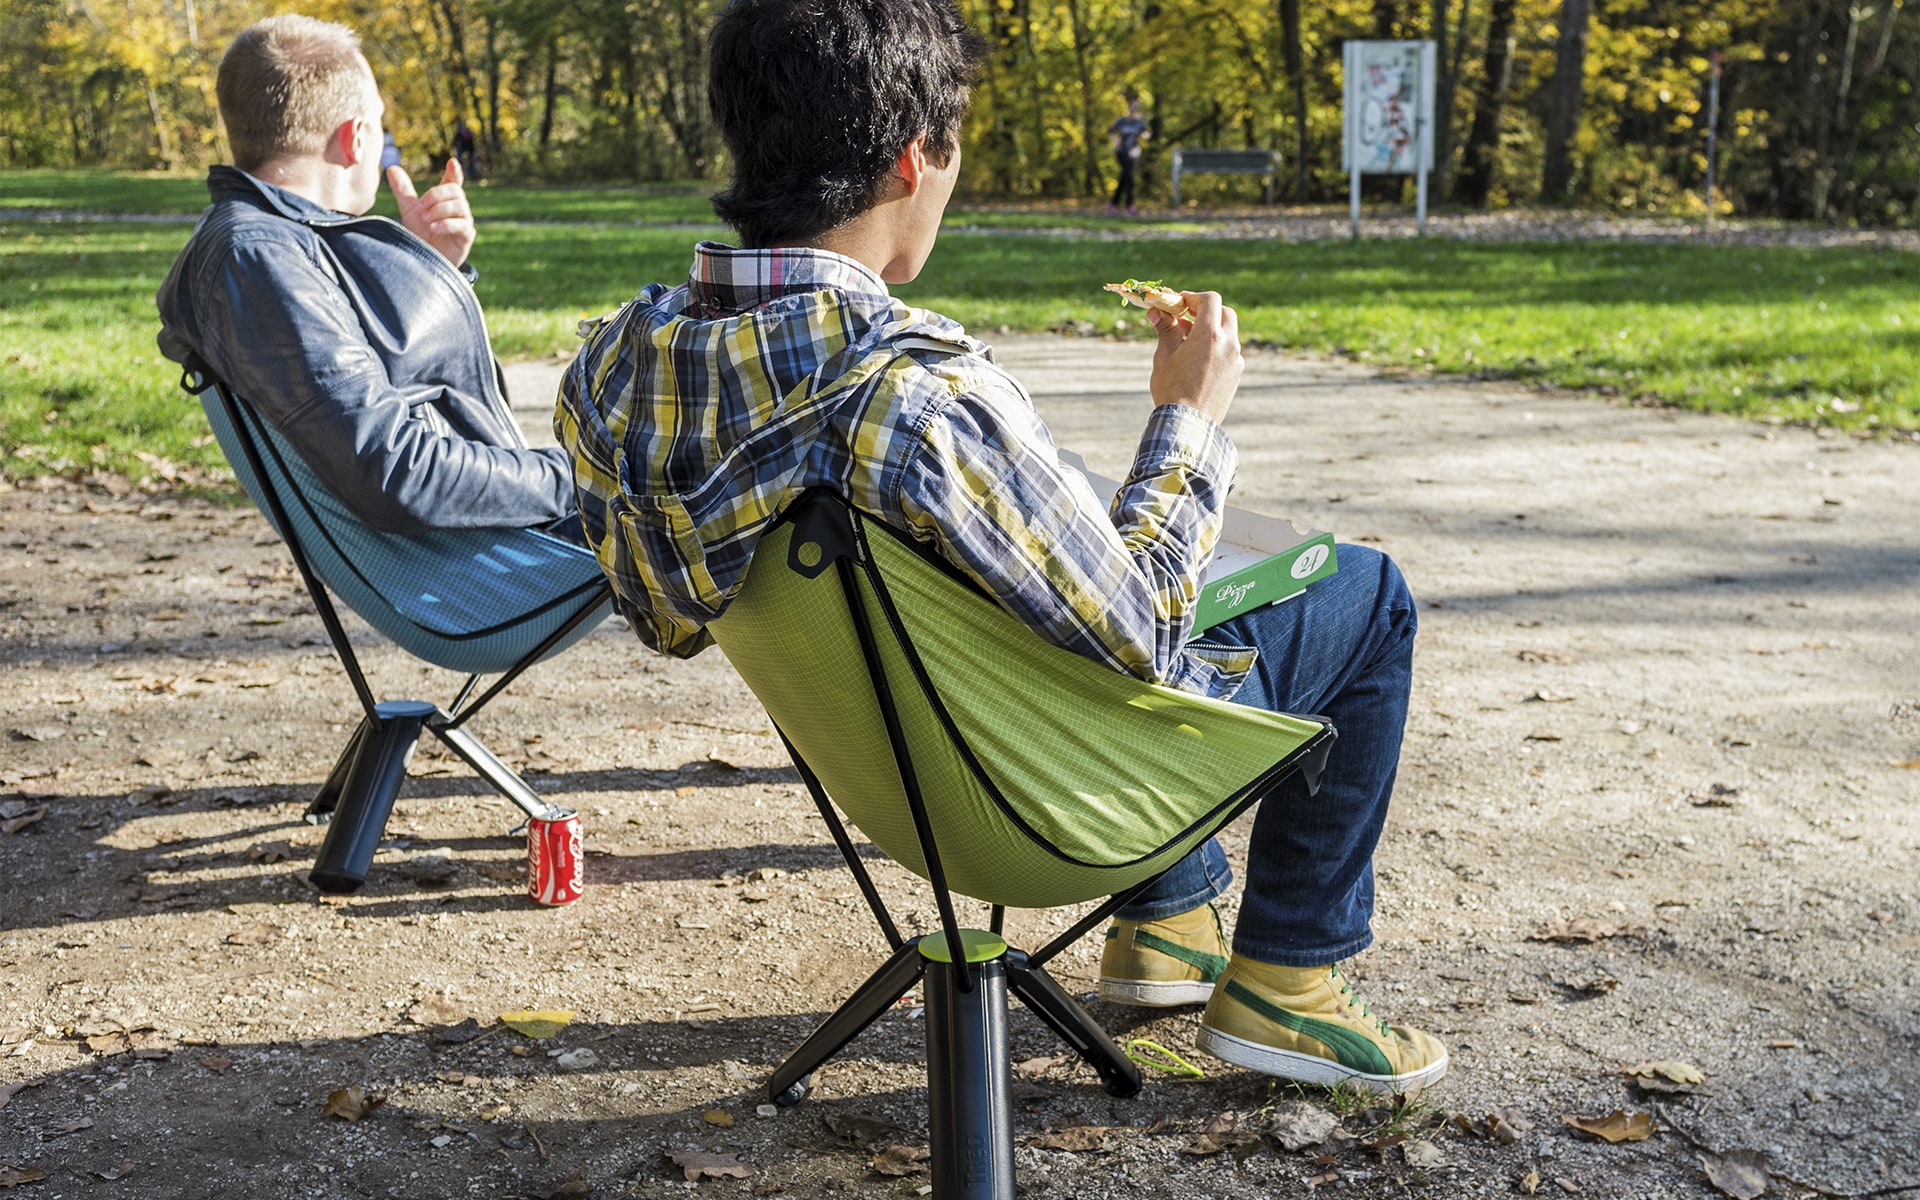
{"points": [[1259, 560]]}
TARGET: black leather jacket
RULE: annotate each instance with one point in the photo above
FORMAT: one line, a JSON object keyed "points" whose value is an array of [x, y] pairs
{"points": [[367, 351]]}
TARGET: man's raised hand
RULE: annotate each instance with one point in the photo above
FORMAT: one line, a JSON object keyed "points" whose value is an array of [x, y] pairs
{"points": [[1197, 362], [441, 218]]}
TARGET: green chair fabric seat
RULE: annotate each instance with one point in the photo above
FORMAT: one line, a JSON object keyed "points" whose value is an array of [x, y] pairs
{"points": [[1057, 780]]}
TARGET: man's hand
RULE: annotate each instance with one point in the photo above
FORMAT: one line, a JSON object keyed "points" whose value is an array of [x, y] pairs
{"points": [[1198, 361], [441, 218]]}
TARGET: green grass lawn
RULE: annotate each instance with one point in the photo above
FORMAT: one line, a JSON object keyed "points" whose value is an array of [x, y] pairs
{"points": [[1766, 333]]}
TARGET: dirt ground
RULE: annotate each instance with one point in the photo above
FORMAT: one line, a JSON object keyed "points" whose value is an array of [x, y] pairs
{"points": [[1658, 803]]}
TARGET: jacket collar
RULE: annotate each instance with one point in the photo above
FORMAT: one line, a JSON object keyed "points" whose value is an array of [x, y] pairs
{"points": [[231, 183]]}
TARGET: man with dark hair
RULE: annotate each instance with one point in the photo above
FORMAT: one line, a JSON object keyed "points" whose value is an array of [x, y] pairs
{"points": [[785, 364], [357, 338]]}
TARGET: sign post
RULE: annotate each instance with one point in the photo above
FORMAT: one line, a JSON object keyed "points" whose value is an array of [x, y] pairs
{"points": [[1389, 117]]}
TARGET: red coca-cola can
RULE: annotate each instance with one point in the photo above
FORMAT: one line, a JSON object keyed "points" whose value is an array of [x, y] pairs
{"points": [[555, 874]]}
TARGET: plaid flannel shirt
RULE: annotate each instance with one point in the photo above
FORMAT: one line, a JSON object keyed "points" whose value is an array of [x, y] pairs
{"points": [[695, 413]]}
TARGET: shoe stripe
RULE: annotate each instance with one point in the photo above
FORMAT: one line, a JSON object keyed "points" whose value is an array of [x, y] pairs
{"points": [[1352, 1050], [1209, 965]]}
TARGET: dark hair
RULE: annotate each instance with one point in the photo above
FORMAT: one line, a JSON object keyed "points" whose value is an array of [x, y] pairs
{"points": [[817, 99]]}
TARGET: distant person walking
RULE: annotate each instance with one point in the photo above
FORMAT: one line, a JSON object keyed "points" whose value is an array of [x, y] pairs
{"points": [[389, 153], [465, 148], [1127, 134]]}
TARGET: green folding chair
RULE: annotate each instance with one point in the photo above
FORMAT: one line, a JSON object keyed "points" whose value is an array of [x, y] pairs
{"points": [[994, 765]]}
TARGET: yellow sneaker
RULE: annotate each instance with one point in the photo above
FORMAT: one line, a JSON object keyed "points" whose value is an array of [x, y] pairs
{"points": [[1305, 1023], [1159, 964]]}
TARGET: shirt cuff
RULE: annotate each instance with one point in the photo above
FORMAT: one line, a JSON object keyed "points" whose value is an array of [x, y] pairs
{"points": [[1179, 437]]}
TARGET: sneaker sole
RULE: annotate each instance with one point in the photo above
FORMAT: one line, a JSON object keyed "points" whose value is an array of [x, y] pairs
{"points": [[1310, 1068], [1147, 993]]}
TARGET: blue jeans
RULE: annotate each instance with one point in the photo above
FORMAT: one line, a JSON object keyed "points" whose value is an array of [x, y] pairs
{"points": [[1343, 649]]}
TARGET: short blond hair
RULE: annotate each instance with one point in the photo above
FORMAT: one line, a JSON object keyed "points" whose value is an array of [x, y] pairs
{"points": [[285, 84]]}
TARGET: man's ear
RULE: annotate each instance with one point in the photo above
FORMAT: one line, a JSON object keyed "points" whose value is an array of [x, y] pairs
{"points": [[912, 167], [343, 144]]}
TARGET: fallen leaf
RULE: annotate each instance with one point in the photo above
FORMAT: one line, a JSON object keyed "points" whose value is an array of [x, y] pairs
{"points": [[1665, 1076], [1741, 1174], [538, 1023], [352, 1103], [1530, 1182], [459, 1034], [254, 935], [1219, 1123], [862, 1130], [270, 852], [113, 1173], [66, 1127], [573, 1187], [1580, 929], [898, 1160], [1034, 1068], [1422, 1153], [217, 1063], [1905, 764], [9, 1090], [1297, 1125], [1617, 1126], [1075, 1138], [15, 824], [718, 1116], [698, 1164], [13, 1174], [432, 870]]}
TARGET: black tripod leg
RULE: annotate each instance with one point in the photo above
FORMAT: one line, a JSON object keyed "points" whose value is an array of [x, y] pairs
{"points": [[1046, 999], [969, 1082], [328, 797], [883, 988], [366, 797], [491, 769]]}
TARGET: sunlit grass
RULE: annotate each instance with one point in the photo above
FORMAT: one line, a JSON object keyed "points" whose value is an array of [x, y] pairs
{"points": [[1782, 333]]}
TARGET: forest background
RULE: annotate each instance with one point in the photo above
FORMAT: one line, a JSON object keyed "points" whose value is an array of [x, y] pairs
{"points": [[1596, 103]]}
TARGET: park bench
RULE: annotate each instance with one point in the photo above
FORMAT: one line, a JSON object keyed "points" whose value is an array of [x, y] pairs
{"points": [[1223, 162]]}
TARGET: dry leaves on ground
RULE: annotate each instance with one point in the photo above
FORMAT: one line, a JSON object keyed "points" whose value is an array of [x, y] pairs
{"points": [[15, 1174], [352, 1103], [116, 1172], [899, 1160], [537, 1023], [1741, 1174], [1617, 1126], [9, 1090], [698, 1164], [1582, 930], [1502, 1126], [1297, 1125], [573, 1187], [1078, 1138], [870, 1132], [17, 815], [1665, 1076]]}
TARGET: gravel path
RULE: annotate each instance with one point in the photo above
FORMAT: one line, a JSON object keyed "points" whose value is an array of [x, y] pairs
{"points": [[1660, 801]]}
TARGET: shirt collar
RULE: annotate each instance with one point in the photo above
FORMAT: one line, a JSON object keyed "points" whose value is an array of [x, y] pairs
{"points": [[729, 280]]}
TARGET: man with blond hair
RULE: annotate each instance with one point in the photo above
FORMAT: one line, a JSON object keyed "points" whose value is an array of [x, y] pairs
{"points": [[356, 337]]}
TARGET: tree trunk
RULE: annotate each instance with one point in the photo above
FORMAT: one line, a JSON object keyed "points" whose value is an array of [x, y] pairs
{"points": [[1447, 62], [1297, 84], [1003, 74], [1084, 71], [549, 93], [163, 144], [493, 88], [1569, 87], [1483, 139], [1386, 15]]}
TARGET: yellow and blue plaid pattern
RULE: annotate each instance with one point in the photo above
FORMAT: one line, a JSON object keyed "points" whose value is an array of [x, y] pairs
{"points": [[695, 413]]}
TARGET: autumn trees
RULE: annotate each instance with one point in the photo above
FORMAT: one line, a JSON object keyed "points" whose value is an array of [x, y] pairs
{"points": [[1589, 102]]}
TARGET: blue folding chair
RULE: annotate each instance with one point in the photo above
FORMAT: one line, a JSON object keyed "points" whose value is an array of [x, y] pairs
{"points": [[477, 601]]}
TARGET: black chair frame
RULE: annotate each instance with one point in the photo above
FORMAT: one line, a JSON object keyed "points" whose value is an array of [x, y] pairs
{"points": [[969, 1077], [357, 796]]}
